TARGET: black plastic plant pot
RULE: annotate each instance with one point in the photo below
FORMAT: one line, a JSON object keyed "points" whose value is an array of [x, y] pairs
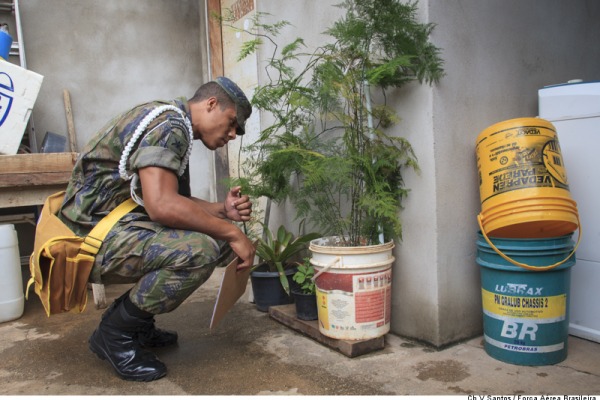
{"points": [[306, 306], [268, 291]]}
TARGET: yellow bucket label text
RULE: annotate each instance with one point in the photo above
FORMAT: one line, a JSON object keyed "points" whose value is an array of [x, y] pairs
{"points": [[544, 307]]}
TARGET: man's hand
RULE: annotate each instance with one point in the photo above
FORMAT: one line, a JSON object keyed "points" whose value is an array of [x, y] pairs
{"points": [[238, 207], [245, 250]]}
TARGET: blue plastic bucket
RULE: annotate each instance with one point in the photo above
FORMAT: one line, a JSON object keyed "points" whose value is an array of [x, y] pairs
{"points": [[526, 311], [5, 43]]}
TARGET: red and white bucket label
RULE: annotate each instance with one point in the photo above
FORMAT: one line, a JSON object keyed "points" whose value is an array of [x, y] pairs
{"points": [[354, 305]]}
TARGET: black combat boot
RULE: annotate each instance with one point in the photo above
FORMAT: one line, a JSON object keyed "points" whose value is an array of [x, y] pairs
{"points": [[150, 336], [156, 337], [115, 340]]}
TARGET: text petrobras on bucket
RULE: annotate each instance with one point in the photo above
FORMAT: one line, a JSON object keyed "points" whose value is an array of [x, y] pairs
{"points": [[533, 397]]}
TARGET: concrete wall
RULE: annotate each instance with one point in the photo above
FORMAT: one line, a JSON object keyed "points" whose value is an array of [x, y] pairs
{"points": [[497, 55], [112, 55]]}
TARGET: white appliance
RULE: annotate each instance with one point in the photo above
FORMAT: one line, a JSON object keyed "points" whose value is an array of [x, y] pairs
{"points": [[574, 109]]}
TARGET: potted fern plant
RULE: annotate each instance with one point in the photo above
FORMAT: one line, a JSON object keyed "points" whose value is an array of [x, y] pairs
{"points": [[331, 150]]}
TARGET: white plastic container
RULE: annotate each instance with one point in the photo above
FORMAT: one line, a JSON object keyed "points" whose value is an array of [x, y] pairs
{"points": [[354, 289], [574, 109], [12, 301]]}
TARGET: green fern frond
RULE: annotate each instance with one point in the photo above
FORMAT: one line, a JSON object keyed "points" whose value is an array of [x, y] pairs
{"points": [[249, 47]]}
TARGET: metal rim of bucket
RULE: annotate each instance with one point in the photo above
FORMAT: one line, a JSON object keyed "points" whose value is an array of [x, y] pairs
{"points": [[523, 265]]}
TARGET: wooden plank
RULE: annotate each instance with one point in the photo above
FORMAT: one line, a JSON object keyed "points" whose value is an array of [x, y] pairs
{"points": [[37, 162], [18, 219], [215, 38], [70, 122], [33, 196], [215, 42], [27, 171], [14, 180], [28, 179], [286, 314]]}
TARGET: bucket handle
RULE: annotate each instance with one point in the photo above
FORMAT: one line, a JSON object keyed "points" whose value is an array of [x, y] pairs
{"points": [[526, 266], [325, 268]]}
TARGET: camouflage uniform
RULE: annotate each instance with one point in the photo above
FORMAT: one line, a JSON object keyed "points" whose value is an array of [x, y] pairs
{"points": [[166, 264]]}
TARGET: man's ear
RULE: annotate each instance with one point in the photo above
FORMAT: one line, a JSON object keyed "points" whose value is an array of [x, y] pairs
{"points": [[211, 103]]}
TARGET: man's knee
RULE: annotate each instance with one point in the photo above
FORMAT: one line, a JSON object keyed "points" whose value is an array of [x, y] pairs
{"points": [[164, 290]]}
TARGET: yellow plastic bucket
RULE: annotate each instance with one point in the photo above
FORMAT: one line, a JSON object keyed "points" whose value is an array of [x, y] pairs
{"points": [[523, 181]]}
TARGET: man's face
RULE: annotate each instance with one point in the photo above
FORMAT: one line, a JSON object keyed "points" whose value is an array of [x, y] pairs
{"points": [[216, 126]]}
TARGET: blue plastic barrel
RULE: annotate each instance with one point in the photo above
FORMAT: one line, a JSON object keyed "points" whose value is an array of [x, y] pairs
{"points": [[526, 312]]}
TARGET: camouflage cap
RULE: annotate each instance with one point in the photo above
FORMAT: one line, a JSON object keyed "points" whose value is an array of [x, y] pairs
{"points": [[242, 105]]}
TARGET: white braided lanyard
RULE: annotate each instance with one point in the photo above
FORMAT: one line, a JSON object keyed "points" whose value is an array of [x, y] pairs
{"points": [[136, 135]]}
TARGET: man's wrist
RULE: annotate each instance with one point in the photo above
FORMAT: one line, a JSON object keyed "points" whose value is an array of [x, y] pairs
{"points": [[225, 212]]}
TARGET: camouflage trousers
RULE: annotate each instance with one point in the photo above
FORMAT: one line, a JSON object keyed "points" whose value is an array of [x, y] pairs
{"points": [[167, 265]]}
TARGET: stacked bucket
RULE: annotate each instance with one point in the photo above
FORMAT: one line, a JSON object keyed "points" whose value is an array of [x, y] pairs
{"points": [[525, 247]]}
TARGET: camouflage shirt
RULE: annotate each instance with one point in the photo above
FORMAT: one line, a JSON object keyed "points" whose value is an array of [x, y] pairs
{"points": [[95, 187]]}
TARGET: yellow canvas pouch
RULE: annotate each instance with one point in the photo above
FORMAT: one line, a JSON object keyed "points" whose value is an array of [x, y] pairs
{"points": [[61, 262]]}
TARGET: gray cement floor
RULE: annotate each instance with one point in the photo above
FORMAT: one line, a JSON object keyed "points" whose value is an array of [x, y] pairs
{"points": [[251, 354]]}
